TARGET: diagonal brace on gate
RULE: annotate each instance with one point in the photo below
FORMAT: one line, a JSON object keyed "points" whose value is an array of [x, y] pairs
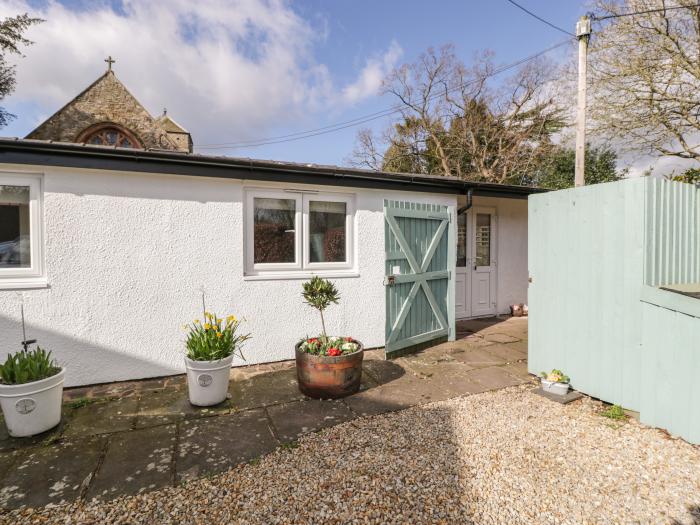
{"points": [[421, 275]]}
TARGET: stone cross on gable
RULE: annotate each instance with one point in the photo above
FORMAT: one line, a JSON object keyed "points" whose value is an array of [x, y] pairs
{"points": [[109, 61]]}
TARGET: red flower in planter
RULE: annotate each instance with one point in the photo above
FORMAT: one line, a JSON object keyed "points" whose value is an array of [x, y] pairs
{"points": [[348, 340], [312, 341], [334, 352]]}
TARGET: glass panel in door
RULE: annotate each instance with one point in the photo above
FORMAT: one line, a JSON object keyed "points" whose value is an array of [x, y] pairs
{"points": [[462, 240], [482, 257]]}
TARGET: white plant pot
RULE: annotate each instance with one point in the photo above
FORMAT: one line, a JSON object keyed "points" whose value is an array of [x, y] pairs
{"points": [[207, 381], [32, 408], [553, 387]]}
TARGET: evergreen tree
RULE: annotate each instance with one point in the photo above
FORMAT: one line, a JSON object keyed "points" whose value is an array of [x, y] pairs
{"points": [[11, 39], [557, 170]]}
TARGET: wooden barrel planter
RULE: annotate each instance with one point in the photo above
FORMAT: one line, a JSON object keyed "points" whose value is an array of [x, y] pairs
{"points": [[324, 377]]}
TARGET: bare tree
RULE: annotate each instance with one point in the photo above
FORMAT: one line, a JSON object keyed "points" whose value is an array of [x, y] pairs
{"points": [[645, 76], [453, 122]]}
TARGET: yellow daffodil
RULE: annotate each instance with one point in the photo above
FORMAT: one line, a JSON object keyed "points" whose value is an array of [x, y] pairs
{"points": [[207, 314], [219, 334], [207, 326], [231, 319], [196, 320]]}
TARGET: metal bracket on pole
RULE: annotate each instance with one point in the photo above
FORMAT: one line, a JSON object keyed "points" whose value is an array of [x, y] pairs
{"points": [[583, 27]]}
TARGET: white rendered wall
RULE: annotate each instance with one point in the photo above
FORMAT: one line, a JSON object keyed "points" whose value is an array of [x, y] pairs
{"points": [[127, 254]]}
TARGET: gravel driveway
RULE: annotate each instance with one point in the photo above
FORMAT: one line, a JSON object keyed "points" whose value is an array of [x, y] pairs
{"points": [[500, 457]]}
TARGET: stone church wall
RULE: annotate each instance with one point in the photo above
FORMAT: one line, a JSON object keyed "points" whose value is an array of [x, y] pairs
{"points": [[106, 100]]}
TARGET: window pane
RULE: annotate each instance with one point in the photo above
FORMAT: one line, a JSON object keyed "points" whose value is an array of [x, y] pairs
{"points": [[327, 231], [462, 240], [274, 234], [14, 227], [483, 239]]}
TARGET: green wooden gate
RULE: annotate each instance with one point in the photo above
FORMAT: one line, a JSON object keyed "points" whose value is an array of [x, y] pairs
{"points": [[420, 256]]}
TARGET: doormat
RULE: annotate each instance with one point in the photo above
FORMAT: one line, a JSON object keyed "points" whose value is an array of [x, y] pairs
{"points": [[573, 395]]}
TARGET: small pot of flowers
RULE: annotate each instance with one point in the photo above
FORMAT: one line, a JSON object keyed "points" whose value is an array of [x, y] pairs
{"points": [[555, 382], [327, 367], [211, 347], [31, 391]]}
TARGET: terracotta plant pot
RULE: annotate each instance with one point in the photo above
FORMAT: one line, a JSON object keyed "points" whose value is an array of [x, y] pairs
{"points": [[324, 377]]}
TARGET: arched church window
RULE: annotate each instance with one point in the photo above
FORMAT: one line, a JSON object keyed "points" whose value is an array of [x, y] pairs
{"points": [[109, 135]]}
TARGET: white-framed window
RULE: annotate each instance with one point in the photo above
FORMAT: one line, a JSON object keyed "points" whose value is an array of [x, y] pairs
{"points": [[21, 235], [298, 231]]}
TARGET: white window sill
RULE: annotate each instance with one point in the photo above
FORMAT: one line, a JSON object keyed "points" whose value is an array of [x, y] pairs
{"points": [[27, 283], [288, 276]]}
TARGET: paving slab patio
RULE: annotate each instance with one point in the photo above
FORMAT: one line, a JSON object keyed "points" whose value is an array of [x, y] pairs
{"points": [[52, 474], [212, 445], [130, 437], [135, 461]]}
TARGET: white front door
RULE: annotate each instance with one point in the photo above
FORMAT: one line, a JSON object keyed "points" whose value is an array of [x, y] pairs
{"points": [[475, 276], [483, 261]]}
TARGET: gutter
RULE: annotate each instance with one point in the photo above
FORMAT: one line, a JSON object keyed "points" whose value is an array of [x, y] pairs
{"points": [[18, 151]]}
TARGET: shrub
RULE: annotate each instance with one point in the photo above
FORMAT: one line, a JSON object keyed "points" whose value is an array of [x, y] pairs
{"points": [[214, 339], [28, 366], [320, 293]]}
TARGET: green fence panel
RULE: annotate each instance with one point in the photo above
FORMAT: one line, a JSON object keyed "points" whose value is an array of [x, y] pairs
{"points": [[591, 253], [671, 363], [672, 233]]}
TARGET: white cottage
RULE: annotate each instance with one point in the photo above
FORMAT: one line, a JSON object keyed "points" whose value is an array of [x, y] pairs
{"points": [[110, 250]]}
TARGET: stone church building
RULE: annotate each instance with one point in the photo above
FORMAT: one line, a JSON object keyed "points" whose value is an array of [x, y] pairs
{"points": [[106, 113]]}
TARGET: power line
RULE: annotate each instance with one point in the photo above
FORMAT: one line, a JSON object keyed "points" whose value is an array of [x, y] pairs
{"points": [[533, 15], [365, 118], [659, 10]]}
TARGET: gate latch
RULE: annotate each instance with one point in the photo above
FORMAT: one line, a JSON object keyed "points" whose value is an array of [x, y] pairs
{"points": [[390, 280]]}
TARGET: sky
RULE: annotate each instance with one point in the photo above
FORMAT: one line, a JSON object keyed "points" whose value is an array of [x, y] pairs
{"points": [[242, 70]]}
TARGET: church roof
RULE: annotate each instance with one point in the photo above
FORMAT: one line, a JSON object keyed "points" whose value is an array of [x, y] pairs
{"points": [[169, 125], [107, 101]]}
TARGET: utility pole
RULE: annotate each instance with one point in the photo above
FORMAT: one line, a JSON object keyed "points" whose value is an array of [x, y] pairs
{"points": [[583, 33]]}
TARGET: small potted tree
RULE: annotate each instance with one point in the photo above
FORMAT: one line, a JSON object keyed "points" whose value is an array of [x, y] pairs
{"points": [[555, 382], [31, 391], [211, 347], [327, 367]]}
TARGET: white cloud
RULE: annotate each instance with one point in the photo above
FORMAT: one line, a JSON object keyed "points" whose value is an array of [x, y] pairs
{"points": [[370, 78], [226, 70], [640, 165]]}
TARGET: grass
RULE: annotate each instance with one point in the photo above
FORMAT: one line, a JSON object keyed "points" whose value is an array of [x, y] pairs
{"points": [[290, 445], [614, 412], [81, 402], [86, 401]]}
